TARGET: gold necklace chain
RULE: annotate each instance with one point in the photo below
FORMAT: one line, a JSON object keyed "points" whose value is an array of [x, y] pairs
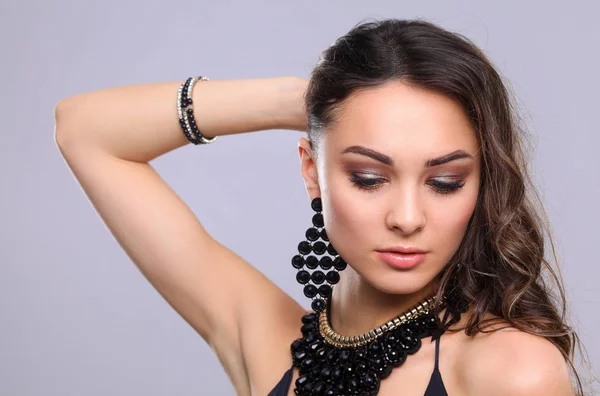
{"points": [[341, 341]]}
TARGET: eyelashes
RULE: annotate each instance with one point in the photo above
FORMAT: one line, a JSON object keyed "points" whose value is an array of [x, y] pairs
{"points": [[371, 184], [447, 188]]}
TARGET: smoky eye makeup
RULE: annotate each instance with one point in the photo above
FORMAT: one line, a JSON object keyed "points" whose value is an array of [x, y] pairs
{"points": [[446, 187], [366, 181], [442, 184]]}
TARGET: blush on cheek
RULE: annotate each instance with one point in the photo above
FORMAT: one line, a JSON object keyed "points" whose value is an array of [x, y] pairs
{"points": [[462, 214], [452, 219], [339, 215], [346, 219]]}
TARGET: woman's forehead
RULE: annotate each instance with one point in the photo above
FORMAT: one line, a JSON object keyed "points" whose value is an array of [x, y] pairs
{"points": [[396, 117]]}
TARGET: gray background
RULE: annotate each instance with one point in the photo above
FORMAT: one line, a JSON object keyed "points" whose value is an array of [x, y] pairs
{"points": [[76, 316]]}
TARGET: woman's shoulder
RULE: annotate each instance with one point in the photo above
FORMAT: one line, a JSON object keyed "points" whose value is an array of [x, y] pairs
{"points": [[503, 360]]}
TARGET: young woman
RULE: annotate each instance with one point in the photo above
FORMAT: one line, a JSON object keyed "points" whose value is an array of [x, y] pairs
{"points": [[423, 222]]}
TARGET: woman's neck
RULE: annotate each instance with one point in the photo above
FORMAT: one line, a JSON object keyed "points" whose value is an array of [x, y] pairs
{"points": [[357, 307]]}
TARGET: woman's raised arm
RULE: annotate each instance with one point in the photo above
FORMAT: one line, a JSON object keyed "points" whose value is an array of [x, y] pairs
{"points": [[140, 122], [108, 137]]}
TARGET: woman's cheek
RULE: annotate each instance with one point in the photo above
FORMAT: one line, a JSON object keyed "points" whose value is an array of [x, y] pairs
{"points": [[452, 219]]}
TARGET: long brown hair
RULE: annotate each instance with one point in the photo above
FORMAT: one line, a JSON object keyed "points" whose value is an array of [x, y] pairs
{"points": [[500, 269]]}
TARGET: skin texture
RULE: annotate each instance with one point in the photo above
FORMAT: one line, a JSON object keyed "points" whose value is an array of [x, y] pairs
{"points": [[404, 207]]}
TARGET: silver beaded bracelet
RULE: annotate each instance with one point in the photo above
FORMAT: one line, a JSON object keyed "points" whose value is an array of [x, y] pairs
{"points": [[185, 110]]}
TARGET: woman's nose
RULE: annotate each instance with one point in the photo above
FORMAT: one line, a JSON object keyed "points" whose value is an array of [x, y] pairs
{"points": [[406, 212]]}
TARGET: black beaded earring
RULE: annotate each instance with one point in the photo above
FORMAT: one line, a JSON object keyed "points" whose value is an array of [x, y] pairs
{"points": [[322, 283]]}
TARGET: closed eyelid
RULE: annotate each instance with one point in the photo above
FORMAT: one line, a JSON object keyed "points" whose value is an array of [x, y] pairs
{"points": [[448, 177], [368, 175]]}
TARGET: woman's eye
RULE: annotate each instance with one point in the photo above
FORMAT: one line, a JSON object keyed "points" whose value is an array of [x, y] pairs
{"points": [[372, 183], [446, 187], [366, 183]]}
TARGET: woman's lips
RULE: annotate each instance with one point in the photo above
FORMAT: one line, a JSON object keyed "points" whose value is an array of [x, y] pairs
{"points": [[402, 260]]}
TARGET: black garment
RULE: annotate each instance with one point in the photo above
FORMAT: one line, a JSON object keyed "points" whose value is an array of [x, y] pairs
{"points": [[434, 388]]}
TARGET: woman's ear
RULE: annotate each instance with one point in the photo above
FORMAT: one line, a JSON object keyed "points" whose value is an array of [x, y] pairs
{"points": [[308, 168]]}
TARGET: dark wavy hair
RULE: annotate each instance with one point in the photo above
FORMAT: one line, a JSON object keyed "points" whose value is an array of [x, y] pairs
{"points": [[502, 275]]}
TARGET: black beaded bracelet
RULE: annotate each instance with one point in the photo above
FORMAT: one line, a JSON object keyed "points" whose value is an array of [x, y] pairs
{"points": [[185, 110]]}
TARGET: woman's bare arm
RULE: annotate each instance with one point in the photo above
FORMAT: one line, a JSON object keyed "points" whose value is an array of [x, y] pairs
{"points": [[140, 122], [108, 137]]}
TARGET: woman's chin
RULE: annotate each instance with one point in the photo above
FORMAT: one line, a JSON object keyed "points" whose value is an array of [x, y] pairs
{"points": [[400, 285]]}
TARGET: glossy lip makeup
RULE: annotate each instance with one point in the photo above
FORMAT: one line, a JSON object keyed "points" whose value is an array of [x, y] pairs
{"points": [[402, 258]]}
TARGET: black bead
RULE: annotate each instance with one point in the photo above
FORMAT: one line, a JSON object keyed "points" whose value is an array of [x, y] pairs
{"points": [[316, 204], [339, 264], [331, 250], [301, 381], [325, 290], [303, 277], [326, 262], [403, 346], [375, 348], [414, 347], [298, 261], [315, 345], [318, 388], [311, 262], [345, 355], [310, 318], [396, 357], [386, 371], [390, 340], [361, 368], [432, 322], [318, 277], [297, 344], [321, 353], [324, 235], [377, 362], [304, 247], [361, 352], [312, 234], [307, 328], [307, 363], [318, 305], [408, 338], [352, 383], [310, 291], [300, 354], [325, 372], [406, 331], [367, 380], [317, 220], [332, 277], [319, 248], [332, 356]]}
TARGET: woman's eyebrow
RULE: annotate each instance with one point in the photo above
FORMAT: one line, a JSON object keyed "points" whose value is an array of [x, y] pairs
{"points": [[387, 160], [455, 155]]}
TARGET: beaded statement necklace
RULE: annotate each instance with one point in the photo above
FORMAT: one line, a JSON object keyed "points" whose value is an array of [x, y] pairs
{"points": [[335, 365]]}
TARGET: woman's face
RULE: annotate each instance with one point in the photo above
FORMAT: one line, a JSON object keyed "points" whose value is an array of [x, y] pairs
{"points": [[400, 168]]}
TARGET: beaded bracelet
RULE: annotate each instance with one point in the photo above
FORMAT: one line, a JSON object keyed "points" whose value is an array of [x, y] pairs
{"points": [[185, 110]]}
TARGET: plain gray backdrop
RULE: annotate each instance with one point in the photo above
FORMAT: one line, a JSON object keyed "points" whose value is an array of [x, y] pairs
{"points": [[78, 318]]}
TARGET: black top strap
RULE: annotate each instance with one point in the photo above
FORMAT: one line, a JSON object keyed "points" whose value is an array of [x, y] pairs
{"points": [[437, 353], [281, 389]]}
